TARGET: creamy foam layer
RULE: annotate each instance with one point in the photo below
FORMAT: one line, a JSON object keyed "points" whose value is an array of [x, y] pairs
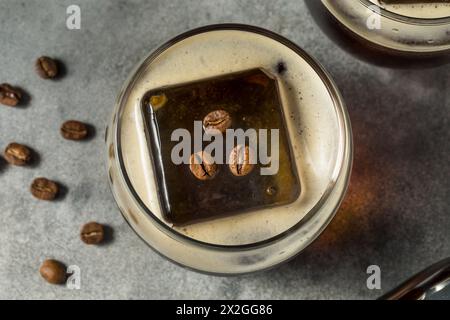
{"points": [[311, 119], [416, 9]]}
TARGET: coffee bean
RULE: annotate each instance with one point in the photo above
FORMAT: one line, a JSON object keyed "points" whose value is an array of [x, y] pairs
{"points": [[202, 166], [217, 120], [92, 233], [53, 272], [9, 95], [44, 189], [74, 130], [240, 161], [17, 154], [46, 67]]}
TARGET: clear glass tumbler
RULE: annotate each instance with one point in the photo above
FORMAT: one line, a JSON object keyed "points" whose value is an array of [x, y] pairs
{"points": [[317, 124]]}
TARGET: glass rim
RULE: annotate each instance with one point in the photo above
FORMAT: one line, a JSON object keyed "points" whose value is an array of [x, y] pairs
{"points": [[411, 20], [341, 165]]}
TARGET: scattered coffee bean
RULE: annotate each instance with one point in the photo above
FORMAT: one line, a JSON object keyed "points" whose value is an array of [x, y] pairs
{"points": [[53, 272], [240, 161], [9, 96], [46, 67], [74, 130], [202, 166], [44, 189], [92, 233], [17, 154], [217, 120]]}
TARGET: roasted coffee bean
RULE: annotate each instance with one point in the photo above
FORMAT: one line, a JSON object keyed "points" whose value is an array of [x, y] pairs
{"points": [[92, 233], [46, 67], [240, 161], [217, 120], [202, 166], [44, 189], [53, 272], [17, 154], [74, 130], [9, 96]]}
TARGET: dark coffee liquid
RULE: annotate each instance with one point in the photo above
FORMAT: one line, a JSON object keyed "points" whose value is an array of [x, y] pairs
{"points": [[252, 99]]}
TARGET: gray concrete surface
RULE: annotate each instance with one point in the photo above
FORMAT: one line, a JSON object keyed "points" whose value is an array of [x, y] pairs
{"points": [[396, 214]]}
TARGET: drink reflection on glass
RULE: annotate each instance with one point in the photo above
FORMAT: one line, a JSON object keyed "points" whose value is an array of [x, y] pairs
{"points": [[401, 26], [430, 9]]}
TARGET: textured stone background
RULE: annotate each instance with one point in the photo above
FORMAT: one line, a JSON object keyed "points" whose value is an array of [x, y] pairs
{"points": [[396, 214]]}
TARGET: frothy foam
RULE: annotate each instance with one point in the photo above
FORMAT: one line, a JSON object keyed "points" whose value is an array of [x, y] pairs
{"points": [[417, 9]]}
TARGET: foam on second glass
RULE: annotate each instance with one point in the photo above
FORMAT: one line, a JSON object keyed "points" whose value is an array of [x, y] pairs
{"points": [[417, 9], [311, 120]]}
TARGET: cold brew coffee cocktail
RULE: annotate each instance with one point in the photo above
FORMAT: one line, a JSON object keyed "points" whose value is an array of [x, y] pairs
{"points": [[229, 149]]}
